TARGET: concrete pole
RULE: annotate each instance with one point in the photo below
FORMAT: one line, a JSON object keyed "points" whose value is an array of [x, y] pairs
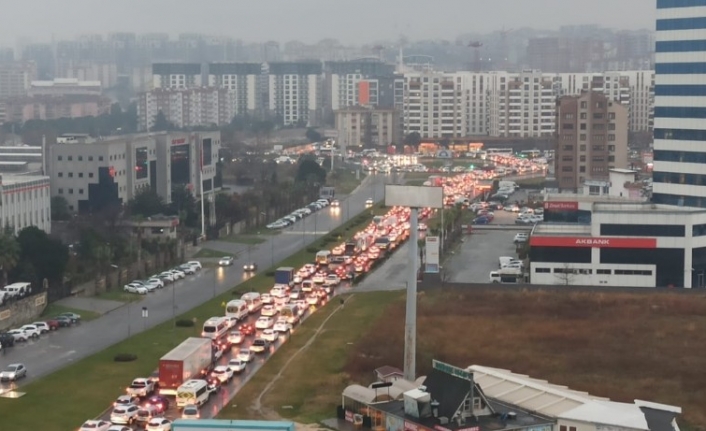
{"points": [[410, 326]]}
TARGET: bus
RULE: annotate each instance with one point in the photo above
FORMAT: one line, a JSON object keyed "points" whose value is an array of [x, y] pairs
{"points": [[499, 151], [530, 154], [215, 328], [192, 392], [323, 257]]}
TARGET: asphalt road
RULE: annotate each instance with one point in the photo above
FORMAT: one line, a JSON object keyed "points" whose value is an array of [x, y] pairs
{"points": [[53, 351]]}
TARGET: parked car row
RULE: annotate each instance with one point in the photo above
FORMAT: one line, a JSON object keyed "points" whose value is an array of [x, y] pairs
{"points": [[299, 214], [157, 281], [36, 329]]}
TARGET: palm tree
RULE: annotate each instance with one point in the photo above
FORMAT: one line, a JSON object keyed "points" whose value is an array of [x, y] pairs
{"points": [[9, 254]]}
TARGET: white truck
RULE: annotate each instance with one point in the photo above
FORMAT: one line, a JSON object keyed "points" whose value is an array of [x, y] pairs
{"points": [[140, 387], [189, 360]]}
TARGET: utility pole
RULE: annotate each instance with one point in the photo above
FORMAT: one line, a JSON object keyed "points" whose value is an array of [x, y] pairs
{"points": [[410, 326]]}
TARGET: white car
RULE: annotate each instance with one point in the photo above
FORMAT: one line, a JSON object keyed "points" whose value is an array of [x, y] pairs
{"points": [[169, 276], [266, 298], [195, 263], [332, 280], [269, 335], [159, 424], [259, 345], [520, 237], [264, 322], [123, 415], [235, 337], [187, 269], [295, 294], [278, 291], [335, 203], [124, 400], [95, 426], [222, 373], [178, 274], [268, 310], [135, 288], [298, 278], [155, 282], [226, 261], [319, 278], [245, 355], [307, 285], [42, 326], [31, 331], [237, 366], [190, 412], [282, 325], [369, 202], [13, 372], [18, 335]]}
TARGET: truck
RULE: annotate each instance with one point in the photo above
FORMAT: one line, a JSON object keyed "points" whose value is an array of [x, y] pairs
{"points": [[186, 361], [508, 185], [140, 387], [284, 275]]}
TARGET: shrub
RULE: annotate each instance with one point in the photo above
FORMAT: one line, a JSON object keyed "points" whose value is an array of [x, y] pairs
{"points": [[124, 357], [312, 250], [270, 274], [184, 323]]}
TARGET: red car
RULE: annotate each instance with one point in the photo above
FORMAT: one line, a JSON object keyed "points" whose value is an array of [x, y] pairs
{"points": [[53, 324], [246, 329]]}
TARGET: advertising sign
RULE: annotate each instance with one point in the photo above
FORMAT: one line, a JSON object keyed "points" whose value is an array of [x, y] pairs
{"points": [[431, 257], [593, 242], [561, 206], [454, 371]]}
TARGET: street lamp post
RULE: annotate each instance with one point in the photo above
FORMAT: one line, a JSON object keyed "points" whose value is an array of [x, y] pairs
{"points": [[214, 282], [272, 244]]}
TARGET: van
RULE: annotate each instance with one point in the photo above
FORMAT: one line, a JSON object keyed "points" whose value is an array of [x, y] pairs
{"points": [[237, 308], [192, 392], [508, 185], [504, 260], [291, 312], [18, 290], [253, 300], [215, 328], [307, 285], [323, 257]]}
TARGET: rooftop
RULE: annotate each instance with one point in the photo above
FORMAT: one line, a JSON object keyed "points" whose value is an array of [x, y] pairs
{"points": [[9, 180], [549, 229], [642, 207]]}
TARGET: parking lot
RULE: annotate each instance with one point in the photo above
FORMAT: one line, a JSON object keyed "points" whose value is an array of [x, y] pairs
{"points": [[478, 255]]}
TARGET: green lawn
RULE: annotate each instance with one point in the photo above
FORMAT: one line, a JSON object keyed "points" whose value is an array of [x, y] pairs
{"points": [[244, 239], [312, 383], [56, 309], [345, 181], [57, 402], [210, 253]]}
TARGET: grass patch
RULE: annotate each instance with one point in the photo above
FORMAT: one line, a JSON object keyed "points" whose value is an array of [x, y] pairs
{"points": [[531, 183], [419, 182], [55, 309], [47, 404], [243, 239], [615, 345], [210, 253], [119, 295], [313, 381], [345, 181]]}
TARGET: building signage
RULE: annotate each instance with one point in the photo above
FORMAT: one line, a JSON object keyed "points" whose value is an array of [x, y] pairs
{"points": [[561, 206], [592, 242], [410, 426], [454, 371], [180, 141], [431, 249], [349, 416]]}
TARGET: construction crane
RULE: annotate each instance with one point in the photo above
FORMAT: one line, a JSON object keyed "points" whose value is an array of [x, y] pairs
{"points": [[476, 47]]}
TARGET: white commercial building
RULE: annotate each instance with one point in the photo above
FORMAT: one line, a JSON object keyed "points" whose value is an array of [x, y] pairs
{"points": [[679, 177], [25, 201]]}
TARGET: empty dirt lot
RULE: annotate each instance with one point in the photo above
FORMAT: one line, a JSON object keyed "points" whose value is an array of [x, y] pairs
{"points": [[618, 345]]}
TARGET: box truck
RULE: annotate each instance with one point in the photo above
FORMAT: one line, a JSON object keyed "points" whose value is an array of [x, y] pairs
{"points": [[186, 361], [285, 276]]}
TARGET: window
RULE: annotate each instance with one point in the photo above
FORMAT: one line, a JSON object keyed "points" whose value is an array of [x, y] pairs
{"points": [[70, 158], [90, 158], [61, 175], [582, 137], [611, 147], [583, 116], [582, 158], [71, 174], [631, 272], [603, 271], [90, 175], [80, 158], [61, 191], [583, 126], [71, 191], [582, 148], [59, 158], [611, 126], [582, 169], [648, 230], [80, 174], [568, 148], [597, 116], [100, 158], [698, 230], [611, 138], [567, 168], [80, 191], [568, 126], [543, 270], [584, 105], [611, 158]]}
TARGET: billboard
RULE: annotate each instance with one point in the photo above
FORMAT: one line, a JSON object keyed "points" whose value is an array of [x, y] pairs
{"points": [[414, 196], [363, 93], [593, 242], [561, 206], [431, 257]]}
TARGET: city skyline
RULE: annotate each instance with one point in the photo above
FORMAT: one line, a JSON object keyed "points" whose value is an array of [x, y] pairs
{"points": [[312, 20]]}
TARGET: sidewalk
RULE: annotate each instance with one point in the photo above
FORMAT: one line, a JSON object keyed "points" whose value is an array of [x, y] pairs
{"points": [[95, 305]]}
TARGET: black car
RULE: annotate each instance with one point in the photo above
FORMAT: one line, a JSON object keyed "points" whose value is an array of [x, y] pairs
{"points": [[6, 340], [159, 402]]}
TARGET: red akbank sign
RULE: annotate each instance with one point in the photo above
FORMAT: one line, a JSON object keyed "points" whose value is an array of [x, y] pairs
{"points": [[597, 242], [561, 206]]}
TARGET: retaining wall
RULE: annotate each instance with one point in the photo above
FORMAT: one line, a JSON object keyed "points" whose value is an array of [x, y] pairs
{"points": [[20, 312]]}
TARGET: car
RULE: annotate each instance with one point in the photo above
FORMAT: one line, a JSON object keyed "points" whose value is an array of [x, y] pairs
{"points": [[124, 415], [246, 329], [235, 337], [319, 278], [190, 412], [335, 203], [226, 261], [259, 345], [269, 335], [222, 373], [264, 322], [93, 425], [250, 267], [31, 331], [159, 402], [295, 294], [75, 318], [119, 428], [155, 282], [136, 288], [237, 366], [64, 322], [124, 400], [312, 299], [44, 327], [187, 269], [266, 298], [6, 340], [369, 202], [282, 325], [159, 424], [332, 280], [278, 291], [177, 273], [268, 310], [13, 372], [146, 413], [19, 335], [520, 237], [140, 387], [168, 276], [481, 220], [195, 263], [245, 355]]}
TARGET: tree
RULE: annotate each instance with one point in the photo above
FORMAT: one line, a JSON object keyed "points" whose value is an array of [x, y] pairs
{"points": [[60, 209], [161, 124], [567, 275], [413, 139], [48, 257], [313, 136], [9, 254], [310, 172], [184, 205], [146, 203]]}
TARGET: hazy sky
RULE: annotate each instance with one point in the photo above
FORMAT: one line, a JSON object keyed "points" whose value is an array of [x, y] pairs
{"points": [[350, 21]]}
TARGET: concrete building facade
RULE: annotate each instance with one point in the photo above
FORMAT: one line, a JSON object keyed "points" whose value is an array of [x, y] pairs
{"points": [[176, 75], [591, 138], [188, 107], [367, 126], [295, 92], [434, 105], [25, 201], [15, 78]]}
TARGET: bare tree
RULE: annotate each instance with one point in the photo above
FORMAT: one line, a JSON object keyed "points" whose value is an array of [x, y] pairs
{"points": [[567, 276]]}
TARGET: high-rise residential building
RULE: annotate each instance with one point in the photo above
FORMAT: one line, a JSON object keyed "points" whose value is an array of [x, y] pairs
{"points": [[642, 94], [521, 105], [189, 107], [295, 92], [680, 104], [368, 127], [16, 78], [242, 79], [25, 201], [42, 55], [591, 139], [176, 75], [433, 105], [352, 83]]}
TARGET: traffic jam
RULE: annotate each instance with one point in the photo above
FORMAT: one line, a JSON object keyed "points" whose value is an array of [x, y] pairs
{"points": [[200, 376]]}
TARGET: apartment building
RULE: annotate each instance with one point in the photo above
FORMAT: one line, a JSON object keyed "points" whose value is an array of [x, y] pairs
{"points": [[176, 75], [367, 127], [242, 80], [94, 175], [295, 92], [15, 78], [434, 105], [521, 105], [642, 96], [591, 139], [25, 201], [45, 107], [364, 82], [188, 107], [65, 87]]}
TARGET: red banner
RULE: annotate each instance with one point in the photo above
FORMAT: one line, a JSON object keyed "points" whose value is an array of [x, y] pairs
{"points": [[593, 242], [561, 206]]}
